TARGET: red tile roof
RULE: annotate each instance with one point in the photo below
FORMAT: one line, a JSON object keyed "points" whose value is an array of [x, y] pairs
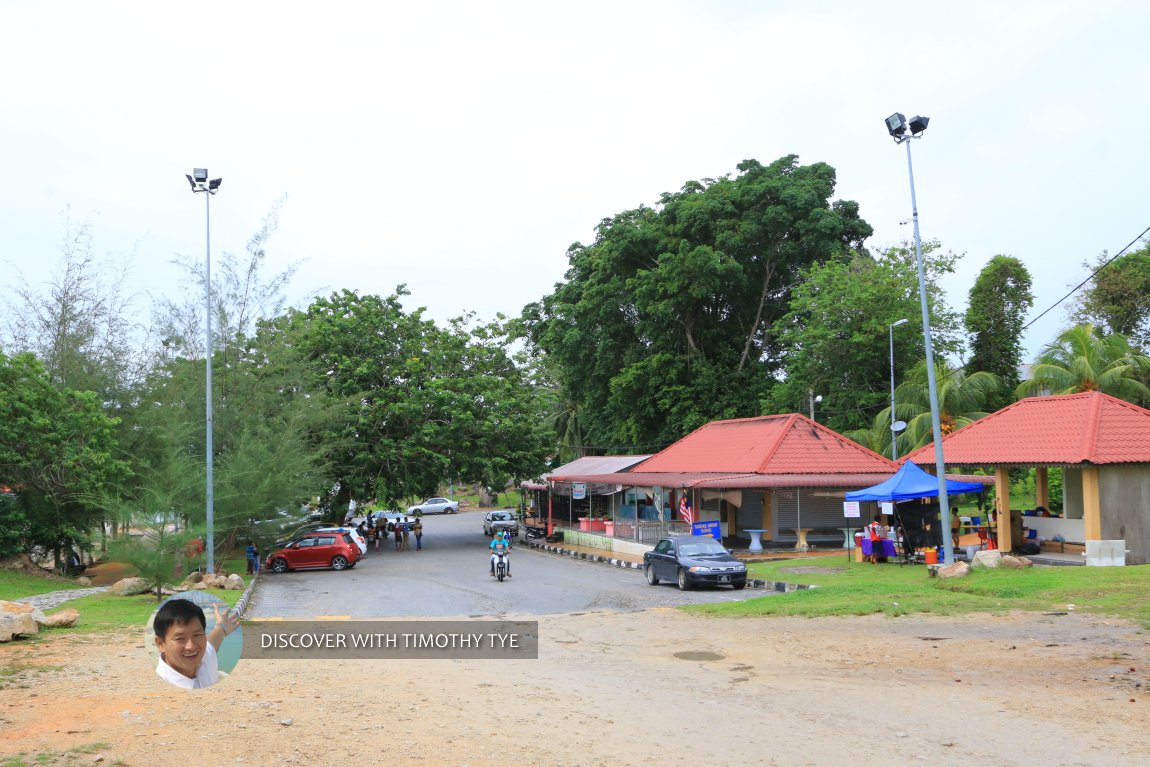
{"points": [[1068, 429], [774, 444]]}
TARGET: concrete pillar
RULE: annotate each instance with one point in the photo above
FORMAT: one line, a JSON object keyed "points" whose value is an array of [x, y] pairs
{"points": [[1002, 493], [1091, 504], [1041, 488], [768, 518]]}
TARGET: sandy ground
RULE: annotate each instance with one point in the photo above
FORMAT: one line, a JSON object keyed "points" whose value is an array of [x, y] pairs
{"points": [[657, 687]]}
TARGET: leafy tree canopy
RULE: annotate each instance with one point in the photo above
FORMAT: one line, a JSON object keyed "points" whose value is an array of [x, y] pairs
{"points": [[999, 301]]}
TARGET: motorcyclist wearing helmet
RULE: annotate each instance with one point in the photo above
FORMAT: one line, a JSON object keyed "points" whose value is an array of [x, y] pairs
{"points": [[501, 544]]}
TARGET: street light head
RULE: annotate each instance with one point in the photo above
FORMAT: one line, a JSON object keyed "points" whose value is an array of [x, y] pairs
{"points": [[201, 174], [191, 181], [918, 125], [818, 398], [214, 184], [903, 321], [896, 124]]}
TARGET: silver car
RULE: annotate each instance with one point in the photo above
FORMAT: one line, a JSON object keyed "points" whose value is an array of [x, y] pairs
{"points": [[498, 521], [435, 506]]}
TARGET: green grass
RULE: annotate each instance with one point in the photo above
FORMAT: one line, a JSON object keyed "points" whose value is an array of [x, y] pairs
{"points": [[73, 756], [105, 612], [15, 585], [861, 589]]}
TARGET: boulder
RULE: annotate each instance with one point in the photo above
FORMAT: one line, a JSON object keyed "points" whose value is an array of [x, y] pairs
{"points": [[194, 577], [989, 558], [17, 618], [214, 581], [127, 587], [65, 618], [1018, 563], [84, 580], [954, 570], [234, 583]]}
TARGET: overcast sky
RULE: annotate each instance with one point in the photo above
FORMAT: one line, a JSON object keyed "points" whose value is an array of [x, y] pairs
{"points": [[461, 147]]}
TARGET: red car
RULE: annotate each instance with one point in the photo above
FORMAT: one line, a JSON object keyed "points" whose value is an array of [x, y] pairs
{"points": [[335, 550]]}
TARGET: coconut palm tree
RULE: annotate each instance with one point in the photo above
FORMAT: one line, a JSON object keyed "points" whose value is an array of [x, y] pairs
{"points": [[1082, 359], [961, 399]]}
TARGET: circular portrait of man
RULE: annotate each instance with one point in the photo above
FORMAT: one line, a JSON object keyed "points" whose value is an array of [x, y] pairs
{"points": [[197, 640]]}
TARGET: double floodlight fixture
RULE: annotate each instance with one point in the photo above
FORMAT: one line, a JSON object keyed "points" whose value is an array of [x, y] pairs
{"points": [[199, 181], [898, 127]]}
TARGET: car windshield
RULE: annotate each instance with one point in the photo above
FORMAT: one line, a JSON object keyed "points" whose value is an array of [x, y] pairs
{"points": [[702, 548], [502, 517]]}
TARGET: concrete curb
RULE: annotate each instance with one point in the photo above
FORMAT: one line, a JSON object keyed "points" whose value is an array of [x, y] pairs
{"points": [[245, 598], [781, 587]]}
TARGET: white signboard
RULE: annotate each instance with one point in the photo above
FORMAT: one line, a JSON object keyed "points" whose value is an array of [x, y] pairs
{"points": [[578, 490], [886, 507], [851, 509]]}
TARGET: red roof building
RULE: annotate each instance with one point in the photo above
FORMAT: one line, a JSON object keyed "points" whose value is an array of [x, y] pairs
{"points": [[1101, 443]]}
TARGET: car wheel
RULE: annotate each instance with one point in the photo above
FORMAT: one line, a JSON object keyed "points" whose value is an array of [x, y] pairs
{"points": [[740, 585], [339, 562], [684, 583], [279, 566], [651, 577]]}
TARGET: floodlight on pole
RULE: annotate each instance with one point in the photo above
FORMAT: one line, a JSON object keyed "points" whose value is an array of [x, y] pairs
{"points": [[898, 128], [813, 399], [199, 182], [893, 419]]}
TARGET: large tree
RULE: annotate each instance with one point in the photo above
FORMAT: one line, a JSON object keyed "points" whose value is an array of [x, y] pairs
{"points": [[998, 303], [1118, 298], [665, 321], [837, 335]]}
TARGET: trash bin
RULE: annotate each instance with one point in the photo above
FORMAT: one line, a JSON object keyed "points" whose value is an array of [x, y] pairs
{"points": [[858, 547]]}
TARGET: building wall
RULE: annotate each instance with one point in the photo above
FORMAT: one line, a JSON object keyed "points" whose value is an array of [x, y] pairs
{"points": [[1072, 493], [1125, 490]]}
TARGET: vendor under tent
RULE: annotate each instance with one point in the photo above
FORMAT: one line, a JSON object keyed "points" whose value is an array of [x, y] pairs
{"points": [[919, 524]]}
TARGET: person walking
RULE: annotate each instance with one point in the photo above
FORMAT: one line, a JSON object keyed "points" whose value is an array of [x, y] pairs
{"points": [[397, 530], [417, 530]]}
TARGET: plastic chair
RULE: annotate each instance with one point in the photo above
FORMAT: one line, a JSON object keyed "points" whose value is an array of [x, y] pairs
{"points": [[983, 538]]}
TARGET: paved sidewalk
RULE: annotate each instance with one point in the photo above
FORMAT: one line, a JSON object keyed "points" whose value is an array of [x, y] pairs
{"points": [[57, 598]]}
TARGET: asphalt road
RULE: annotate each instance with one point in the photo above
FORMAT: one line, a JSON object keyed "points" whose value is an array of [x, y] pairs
{"points": [[449, 578]]}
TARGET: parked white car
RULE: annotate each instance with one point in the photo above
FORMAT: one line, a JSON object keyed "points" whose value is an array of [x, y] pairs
{"points": [[435, 506], [354, 533]]}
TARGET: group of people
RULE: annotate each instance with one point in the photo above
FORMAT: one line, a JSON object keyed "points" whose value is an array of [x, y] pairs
{"points": [[375, 531]]}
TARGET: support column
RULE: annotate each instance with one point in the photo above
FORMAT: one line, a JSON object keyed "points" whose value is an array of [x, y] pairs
{"points": [[1041, 488], [1002, 494], [1091, 504], [767, 521]]}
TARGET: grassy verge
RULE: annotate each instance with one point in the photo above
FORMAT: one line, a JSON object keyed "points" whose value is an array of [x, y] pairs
{"points": [[79, 755], [861, 589], [105, 612], [15, 585]]}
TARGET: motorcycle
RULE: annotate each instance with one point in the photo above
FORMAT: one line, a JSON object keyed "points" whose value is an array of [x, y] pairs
{"points": [[535, 531], [500, 565]]}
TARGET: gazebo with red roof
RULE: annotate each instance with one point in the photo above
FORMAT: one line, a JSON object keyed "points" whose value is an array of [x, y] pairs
{"points": [[1101, 443]]}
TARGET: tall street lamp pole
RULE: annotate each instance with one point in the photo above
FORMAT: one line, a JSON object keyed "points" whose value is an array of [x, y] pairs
{"points": [[902, 132], [199, 182], [893, 419], [812, 398]]}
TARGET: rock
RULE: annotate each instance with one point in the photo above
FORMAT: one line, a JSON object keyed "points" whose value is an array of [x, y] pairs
{"points": [[84, 580], [1018, 563], [955, 570], [15, 608], [128, 587], [214, 581], [65, 618], [17, 624], [201, 586], [989, 558], [195, 577], [234, 583]]}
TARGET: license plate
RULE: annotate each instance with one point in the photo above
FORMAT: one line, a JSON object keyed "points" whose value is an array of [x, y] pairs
{"points": [[724, 579]]}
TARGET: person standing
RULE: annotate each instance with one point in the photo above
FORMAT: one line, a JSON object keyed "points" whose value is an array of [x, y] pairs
{"points": [[874, 532], [406, 534], [417, 530], [250, 554]]}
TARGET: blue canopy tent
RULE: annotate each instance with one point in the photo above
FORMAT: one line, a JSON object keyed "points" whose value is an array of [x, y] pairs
{"points": [[911, 482]]}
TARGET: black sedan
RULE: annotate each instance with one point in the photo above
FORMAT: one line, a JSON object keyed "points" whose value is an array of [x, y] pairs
{"points": [[693, 560]]}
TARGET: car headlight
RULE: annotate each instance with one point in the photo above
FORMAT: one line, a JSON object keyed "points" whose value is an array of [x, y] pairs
{"points": [[698, 569]]}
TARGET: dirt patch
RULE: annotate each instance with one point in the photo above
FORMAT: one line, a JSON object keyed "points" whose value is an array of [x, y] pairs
{"points": [[608, 689], [107, 573]]}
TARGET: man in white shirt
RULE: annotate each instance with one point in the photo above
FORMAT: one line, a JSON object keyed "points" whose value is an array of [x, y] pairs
{"points": [[187, 650]]}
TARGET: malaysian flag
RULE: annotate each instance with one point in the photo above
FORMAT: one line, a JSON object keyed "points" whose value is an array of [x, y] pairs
{"points": [[685, 511]]}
